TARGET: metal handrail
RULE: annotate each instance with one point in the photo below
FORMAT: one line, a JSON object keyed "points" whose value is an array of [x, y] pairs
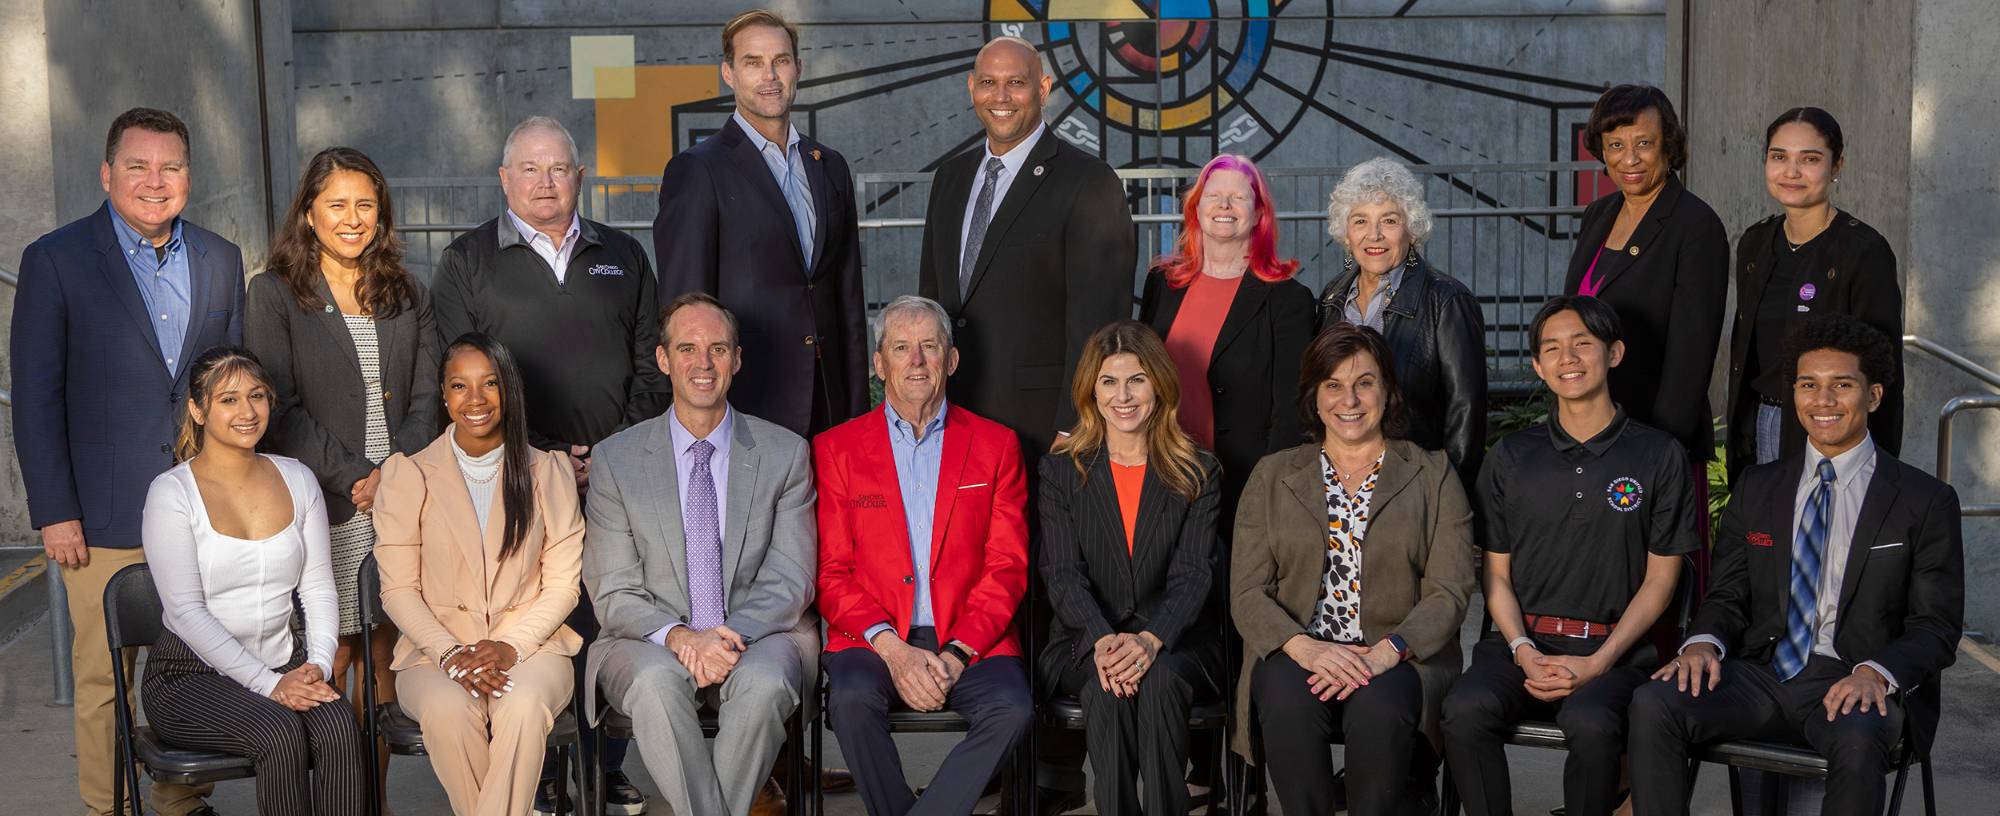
{"points": [[1954, 406]]}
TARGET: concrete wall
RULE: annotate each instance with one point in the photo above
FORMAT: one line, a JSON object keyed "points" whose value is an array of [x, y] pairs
{"points": [[28, 184]]}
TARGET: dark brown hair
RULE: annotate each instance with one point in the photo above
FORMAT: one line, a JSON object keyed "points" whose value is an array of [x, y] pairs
{"points": [[384, 288], [1327, 352], [517, 483], [751, 18], [214, 367], [153, 119], [697, 299], [1621, 105], [1819, 120], [1169, 450]]}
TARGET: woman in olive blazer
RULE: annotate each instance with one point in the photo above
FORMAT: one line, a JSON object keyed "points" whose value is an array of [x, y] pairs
{"points": [[1415, 579]]}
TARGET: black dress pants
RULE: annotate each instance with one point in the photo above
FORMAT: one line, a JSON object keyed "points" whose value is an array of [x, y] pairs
{"points": [[1750, 703], [992, 695], [1143, 738], [1377, 723], [1489, 699]]}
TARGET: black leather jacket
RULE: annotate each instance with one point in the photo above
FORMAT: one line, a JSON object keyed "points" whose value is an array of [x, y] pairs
{"points": [[1438, 336]]}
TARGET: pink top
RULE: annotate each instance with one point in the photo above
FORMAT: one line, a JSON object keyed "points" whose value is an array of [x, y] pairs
{"points": [[1588, 287]]}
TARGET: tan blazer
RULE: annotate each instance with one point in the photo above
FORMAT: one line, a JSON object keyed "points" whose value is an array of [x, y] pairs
{"points": [[444, 585], [1416, 564]]}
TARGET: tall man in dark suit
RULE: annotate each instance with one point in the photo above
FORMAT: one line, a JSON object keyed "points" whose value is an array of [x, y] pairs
{"points": [[1837, 597], [762, 218], [1029, 245], [110, 310]]}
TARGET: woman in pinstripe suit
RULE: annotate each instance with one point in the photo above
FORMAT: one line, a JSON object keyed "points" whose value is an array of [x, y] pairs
{"points": [[231, 536], [1128, 508]]}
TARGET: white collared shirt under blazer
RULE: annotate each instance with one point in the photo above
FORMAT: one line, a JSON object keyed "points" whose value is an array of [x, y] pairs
{"points": [[230, 599]]}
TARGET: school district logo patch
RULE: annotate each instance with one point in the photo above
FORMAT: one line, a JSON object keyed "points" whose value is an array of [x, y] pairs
{"points": [[1625, 494]]}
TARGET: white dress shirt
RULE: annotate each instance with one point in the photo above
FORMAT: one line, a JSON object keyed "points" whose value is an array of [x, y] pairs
{"points": [[557, 257], [1853, 469], [718, 469], [230, 599], [1012, 161]]}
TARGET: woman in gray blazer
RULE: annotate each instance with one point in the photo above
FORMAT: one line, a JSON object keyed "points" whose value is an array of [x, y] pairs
{"points": [[346, 336], [1348, 581]]}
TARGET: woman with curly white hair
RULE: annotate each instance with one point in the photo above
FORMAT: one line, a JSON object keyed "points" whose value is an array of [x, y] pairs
{"points": [[1431, 321]]}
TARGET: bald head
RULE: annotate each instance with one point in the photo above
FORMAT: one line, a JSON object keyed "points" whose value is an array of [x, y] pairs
{"points": [[1008, 89]]}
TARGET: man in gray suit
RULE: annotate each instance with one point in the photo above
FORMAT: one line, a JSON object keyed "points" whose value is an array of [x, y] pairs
{"points": [[700, 561]]}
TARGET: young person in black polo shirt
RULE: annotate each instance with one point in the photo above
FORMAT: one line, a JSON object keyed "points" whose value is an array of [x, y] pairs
{"points": [[1586, 518]]}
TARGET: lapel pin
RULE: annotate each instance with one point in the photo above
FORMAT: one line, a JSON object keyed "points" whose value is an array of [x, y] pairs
{"points": [[1832, 272], [815, 154], [1632, 250], [1038, 169], [1808, 292], [329, 308]]}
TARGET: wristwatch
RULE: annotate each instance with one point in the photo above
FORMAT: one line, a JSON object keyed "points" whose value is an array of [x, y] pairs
{"points": [[1401, 646], [963, 654]]}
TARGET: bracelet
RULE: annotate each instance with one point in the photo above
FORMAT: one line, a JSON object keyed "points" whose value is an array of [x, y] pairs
{"points": [[1514, 646], [449, 654]]}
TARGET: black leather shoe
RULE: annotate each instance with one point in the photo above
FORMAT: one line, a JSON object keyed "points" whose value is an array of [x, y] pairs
{"points": [[620, 798], [545, 800]]}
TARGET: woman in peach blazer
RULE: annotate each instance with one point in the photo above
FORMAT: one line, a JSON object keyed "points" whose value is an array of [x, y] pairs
{"points": [[479, 542]]}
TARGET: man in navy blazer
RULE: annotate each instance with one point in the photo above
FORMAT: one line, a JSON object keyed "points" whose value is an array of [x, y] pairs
{"points": [[762, 218], [110, 311]]}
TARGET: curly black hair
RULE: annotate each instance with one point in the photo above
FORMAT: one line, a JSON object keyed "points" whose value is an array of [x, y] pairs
{"points": [[1837, 332]]}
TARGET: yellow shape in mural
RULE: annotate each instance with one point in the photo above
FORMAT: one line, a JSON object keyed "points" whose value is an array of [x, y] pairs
{"points": [[1009, 11], [635, 135], [1096, 10]]}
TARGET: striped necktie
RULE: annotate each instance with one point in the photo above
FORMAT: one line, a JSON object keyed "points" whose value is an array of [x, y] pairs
{"points": [[1808, 549]]}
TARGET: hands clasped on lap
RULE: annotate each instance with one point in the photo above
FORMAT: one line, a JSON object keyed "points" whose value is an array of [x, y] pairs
{"points": [[482, 668], [710, 654], [1123, 660], [304, 688], [1339, 669], [923, 678]]}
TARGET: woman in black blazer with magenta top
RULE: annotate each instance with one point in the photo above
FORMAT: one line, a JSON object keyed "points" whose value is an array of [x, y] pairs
{"points": [[345, 335], [1659, 255]]}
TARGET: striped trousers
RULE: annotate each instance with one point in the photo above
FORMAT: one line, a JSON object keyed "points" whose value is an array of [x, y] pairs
{"points": [[308, 762]]}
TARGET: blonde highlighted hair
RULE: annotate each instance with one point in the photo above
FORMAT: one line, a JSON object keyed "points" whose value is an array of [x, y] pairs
{"points": [[1170, 452]]}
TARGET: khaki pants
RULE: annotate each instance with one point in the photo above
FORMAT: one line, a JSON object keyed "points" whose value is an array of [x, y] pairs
{"points": [[96, 719]]}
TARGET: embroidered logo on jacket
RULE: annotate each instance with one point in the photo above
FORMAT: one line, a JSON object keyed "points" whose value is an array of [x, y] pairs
{"points": [[1759, 539], [871, 500], [1624, 494], [608, 269]]}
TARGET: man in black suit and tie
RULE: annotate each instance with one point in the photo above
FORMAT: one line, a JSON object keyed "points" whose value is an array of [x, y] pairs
{"points": [[762, 218], [111, 309], [1836, 601], [1028, 244]]}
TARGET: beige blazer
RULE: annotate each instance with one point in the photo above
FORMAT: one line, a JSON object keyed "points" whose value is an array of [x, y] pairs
{"points": [[1416, 564], [443, 582]]}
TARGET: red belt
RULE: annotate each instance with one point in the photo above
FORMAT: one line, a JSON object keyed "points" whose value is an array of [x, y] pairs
{"points": [[1568, 627]]}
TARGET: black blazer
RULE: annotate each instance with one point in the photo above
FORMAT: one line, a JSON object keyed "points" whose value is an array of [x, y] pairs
{"points": [[1860, 280], [1056, 265], [1670, 285], [320, 417], [1437, 334], [724, 228], [1097, 588], [1901, 599], [96, 409], [1253, 375]]}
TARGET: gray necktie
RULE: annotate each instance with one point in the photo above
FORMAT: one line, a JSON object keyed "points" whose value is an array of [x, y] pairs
{"points": [[982, 212]]}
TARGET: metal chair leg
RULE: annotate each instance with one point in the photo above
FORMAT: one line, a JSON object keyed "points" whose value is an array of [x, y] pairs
{"points": [[1896, 792], [562, 780], [1930, 790], [1776, 795]]}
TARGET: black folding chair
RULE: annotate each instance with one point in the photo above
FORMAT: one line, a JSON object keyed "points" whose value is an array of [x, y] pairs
{"points": [[613, 724], [1016, 779], [388, 723], [1796, 759], [132, 618]]}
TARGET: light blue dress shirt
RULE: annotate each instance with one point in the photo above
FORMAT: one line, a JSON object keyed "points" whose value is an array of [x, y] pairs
{"points": [[789, 171], [918, 461], [163, 284]]}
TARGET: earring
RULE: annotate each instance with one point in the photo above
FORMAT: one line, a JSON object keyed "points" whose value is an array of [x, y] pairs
{"points": [[1347, 265], [1412, 259]]}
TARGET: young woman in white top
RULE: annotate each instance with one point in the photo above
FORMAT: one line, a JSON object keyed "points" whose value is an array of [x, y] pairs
{"points": [[232, 536]]}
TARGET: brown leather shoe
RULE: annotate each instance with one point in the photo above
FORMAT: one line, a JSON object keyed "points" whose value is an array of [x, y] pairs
{"points": [[770, 800], [836, 780]]}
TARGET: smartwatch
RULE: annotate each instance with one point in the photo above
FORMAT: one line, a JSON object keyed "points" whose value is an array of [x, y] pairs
{"points": [[1401, 646], [964, 656]]}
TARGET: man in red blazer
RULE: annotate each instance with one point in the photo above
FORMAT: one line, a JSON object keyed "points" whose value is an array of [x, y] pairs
{"points": [[923, 561]]}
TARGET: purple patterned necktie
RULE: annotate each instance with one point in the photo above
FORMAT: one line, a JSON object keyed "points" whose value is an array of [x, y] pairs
{"points": [[704, 542]]}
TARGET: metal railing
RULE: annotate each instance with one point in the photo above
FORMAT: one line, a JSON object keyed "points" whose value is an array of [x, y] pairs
{"points": [[1956, 405], [1505, 230], [60, 632]]}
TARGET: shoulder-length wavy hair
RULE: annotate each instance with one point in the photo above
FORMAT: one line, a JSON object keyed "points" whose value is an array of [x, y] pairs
{"points": [[1169, 450], [1185, 263], [517, 482], [385, 288]]}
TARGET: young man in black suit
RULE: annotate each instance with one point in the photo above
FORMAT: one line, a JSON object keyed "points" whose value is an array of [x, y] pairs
{"points": [[1836, 601], [762, 217], [1028, 243]]}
